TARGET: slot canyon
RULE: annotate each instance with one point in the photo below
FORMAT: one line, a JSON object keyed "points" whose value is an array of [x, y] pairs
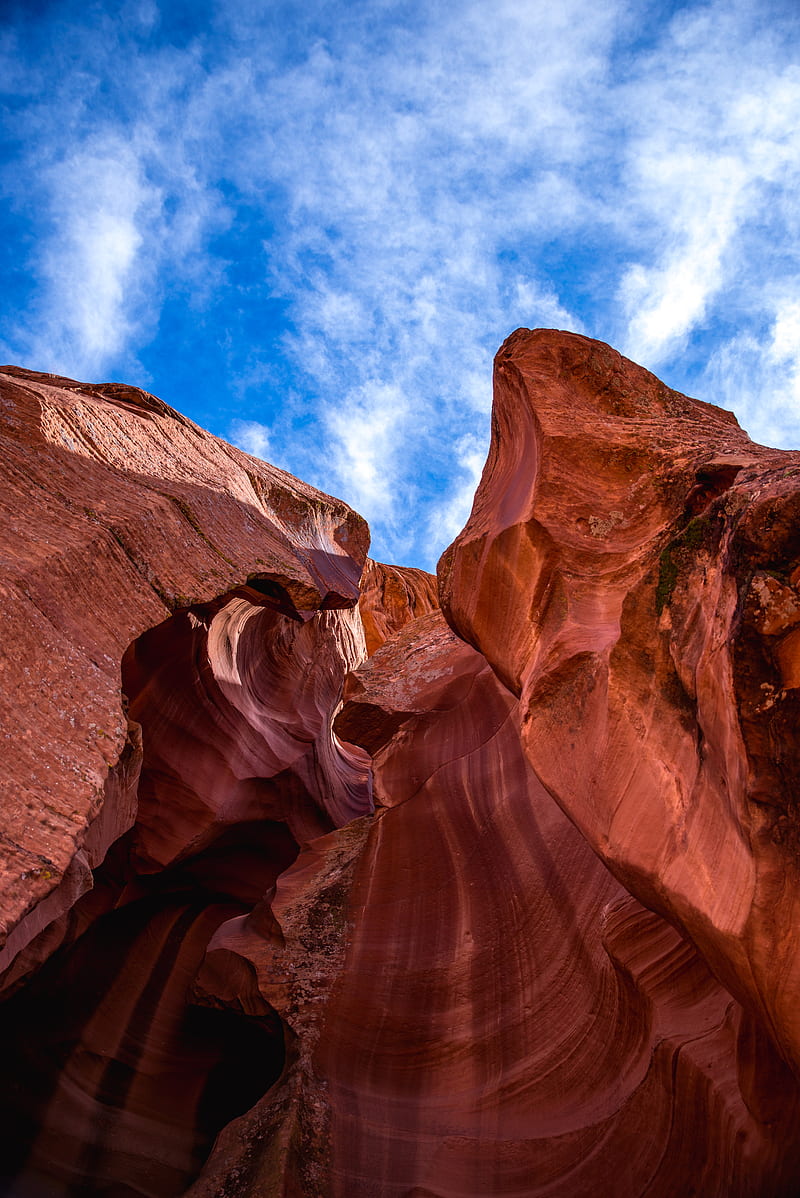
{"points": [[328, 878]]}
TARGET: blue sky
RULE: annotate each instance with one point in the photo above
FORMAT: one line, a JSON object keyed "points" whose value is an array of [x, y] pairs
{"points": [[310, 225]]}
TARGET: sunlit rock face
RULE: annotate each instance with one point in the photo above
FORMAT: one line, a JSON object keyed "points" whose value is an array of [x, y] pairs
{"points": [[338, 894], [392, 596], [116, 512], [630, 569]]}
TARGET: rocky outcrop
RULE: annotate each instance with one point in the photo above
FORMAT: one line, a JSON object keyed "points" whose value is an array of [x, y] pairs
{"points": [[118, 511], [391, 597], [505, 908], [178, 622], [627, 570]]}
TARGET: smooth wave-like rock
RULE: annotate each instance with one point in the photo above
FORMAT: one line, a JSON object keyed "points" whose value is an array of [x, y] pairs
{"points": [[230, 764], [123, 1087], [629, 570], [235, 707], [313, 890], [117, 511], [509, 1020], [479, 1006]]}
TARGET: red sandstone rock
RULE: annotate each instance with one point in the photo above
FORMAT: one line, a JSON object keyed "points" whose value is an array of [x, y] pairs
{"points": [[235, 706], [456, 996], [391, 596], [508, 1020], [614, 571], [117, 511], [231, 763], [290, 953], [498, 1016]]}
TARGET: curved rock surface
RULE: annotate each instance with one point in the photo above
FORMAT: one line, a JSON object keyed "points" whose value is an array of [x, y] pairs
{"points": [[231, 762], [479, 1006], [391, 597], [235, 707], [509, 1020], [114, 512], [629, 570], [556, 957]]}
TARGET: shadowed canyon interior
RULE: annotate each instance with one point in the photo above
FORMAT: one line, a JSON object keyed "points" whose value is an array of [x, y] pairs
{"points": [[321, 877]]}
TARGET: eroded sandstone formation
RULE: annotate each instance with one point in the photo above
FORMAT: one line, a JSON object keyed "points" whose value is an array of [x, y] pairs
{"points": [[178, 622], [627, 570], [312, 889], [391, 597]]}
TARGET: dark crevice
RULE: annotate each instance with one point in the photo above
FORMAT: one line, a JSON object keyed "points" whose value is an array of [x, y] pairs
{"points": [[114, 1080], [711, 482], [119, 1070]]}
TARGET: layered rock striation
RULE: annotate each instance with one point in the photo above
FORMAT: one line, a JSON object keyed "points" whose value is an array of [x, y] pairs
{"points": [[117, 512], [629, 569], [177, 624], [313, 889]]}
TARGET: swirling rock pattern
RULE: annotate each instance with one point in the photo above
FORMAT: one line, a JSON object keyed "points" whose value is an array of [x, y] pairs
{"points": [[235, 707], [507, 907], [509, 1020], [629, 570], [117, 511], [240, 586]]}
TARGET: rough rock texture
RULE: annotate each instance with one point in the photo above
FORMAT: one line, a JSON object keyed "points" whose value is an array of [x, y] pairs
{"points": [[392, 596], [290, 951], [559, 959]]}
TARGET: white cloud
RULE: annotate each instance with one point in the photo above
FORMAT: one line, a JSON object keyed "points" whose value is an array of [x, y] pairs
{"points": [[366, 432], [541, 308], [451, 513], [122, 207], [758, 377], [252, 437], [91, 266], [143, 13], [712, 158], [785, 343], [665, 301], [418, 183]]}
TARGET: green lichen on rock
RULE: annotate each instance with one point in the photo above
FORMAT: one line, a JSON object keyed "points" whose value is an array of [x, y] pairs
{"points": [[676, 554], [667, 578]]}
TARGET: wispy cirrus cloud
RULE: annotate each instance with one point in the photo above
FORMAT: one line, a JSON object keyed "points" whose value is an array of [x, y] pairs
{"points": [[91, 269], [320, 221], [252, 437], [447, 520], [759, 376], [713, 149]]}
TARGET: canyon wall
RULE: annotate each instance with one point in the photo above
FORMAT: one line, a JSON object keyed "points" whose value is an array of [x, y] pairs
{"points": [[311, 888]]}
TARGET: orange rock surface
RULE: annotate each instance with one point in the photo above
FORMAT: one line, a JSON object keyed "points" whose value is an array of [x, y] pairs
{"points": [[392, 596], [507, 907], [178, 619], [627, 571]]}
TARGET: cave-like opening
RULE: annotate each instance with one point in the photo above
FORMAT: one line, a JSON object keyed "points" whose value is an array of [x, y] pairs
{"points": [[120, 1067], [116, 1077]]}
